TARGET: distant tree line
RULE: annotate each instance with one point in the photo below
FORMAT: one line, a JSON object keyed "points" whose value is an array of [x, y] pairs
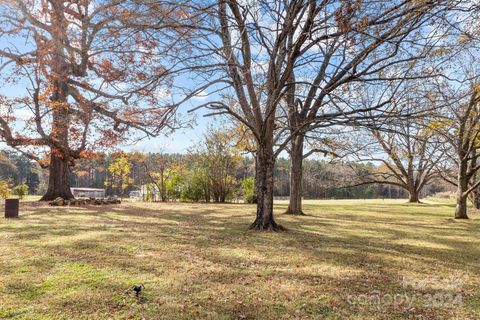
{"points": [[190, 177], [215, 170]]}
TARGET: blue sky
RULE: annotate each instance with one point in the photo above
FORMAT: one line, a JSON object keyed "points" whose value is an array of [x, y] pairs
{"points": [[180, 140]]}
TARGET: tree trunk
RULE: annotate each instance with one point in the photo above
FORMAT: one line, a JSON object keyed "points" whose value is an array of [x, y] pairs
{"points": [[475, 198], [461, 207], [58, 185], [163, 192], [264, 184], [411, 186], [206, 191], [475, 194], [413, 196], [296, 177]]}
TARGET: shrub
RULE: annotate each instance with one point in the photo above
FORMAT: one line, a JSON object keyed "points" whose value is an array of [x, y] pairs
{"points": [[21, 191], [193, 186], [249, 190], [4, 189]]}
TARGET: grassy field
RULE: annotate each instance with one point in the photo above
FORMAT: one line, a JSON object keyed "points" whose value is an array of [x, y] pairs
{"points": [[344, 260]]}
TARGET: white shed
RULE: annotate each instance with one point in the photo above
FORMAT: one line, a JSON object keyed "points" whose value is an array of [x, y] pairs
{"points": [[88, 193]]}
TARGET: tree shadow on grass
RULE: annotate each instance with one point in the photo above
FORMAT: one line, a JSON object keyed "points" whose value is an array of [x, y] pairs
{"points": [[175, 225]]}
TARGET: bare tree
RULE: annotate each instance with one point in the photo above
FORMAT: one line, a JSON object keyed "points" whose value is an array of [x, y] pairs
{"points": [[457, 93], [286, 62], [381, 44], [461, 132], [406, 148]]}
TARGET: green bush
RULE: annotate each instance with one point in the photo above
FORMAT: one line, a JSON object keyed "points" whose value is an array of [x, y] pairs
{"points": [[21, 190], [174, 185], [193, 186], [249, 190]]}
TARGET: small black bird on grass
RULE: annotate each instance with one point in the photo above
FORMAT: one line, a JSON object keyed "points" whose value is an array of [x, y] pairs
{"points": [[138, 289]]}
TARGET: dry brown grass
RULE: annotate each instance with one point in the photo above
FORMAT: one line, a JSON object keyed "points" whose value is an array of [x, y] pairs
{"points": [[198, 261]]}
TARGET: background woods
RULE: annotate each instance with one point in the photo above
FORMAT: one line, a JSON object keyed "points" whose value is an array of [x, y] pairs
{"points": [[186, 177]]}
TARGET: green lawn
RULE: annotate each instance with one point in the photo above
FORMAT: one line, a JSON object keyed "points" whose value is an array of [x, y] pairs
{"points": [[197, 261]]}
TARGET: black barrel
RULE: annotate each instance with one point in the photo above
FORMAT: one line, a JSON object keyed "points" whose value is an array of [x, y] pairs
{"points": [[11, 208]]}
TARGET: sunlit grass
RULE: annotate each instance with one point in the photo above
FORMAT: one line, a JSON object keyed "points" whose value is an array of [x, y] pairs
{"points": [[198, 261]]}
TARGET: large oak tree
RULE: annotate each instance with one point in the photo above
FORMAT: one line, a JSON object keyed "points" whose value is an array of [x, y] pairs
{"points": [[78, 76]]}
